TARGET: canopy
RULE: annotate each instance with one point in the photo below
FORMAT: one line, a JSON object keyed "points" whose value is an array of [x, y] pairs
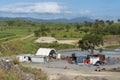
{"points": [[45, 51]]}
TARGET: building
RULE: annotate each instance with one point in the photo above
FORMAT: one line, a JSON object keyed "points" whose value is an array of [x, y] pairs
{"points": [[44, 55]]}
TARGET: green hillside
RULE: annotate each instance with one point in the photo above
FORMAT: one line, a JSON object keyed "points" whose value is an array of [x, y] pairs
{"points": [[12, 32]]}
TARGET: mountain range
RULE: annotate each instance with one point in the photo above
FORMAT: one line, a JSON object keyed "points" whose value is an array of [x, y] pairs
{"points": [[60, 20]]}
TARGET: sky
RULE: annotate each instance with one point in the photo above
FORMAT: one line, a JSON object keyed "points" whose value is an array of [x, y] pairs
{"points": [[52, 9]]}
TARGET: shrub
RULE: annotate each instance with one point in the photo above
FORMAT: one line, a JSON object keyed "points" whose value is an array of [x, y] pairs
{"points": [[11, 76], [39, 74], [8, 75], [15, 60], [18, 72]]}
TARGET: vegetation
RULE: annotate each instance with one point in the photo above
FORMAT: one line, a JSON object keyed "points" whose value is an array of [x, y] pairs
{"points": [[112, 46], [9, 71], [56, 46], [2, 35], [23, 47], [12, 31], [39, 74], [59, 30], [16, 47], [90, 41], [8, 75]]}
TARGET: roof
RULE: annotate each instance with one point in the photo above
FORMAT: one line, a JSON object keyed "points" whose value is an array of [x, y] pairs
{"points": [[38, 56], [44, 51]]}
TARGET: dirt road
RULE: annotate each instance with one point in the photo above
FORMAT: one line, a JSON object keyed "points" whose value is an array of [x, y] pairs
{"points": [[27, 36]]}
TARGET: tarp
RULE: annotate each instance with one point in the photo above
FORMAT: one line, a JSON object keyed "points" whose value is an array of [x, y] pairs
{"points": [[44, 51], [93, 60]]}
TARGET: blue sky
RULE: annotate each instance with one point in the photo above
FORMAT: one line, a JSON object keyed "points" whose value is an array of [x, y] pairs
{"points": [[51, 9]]}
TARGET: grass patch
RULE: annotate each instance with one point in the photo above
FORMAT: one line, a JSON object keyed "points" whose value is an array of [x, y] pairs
{"points": [[112, 46], [28, 47], [39, 74], [8, 38], [17, 47], [3, 35], [56, 46]]}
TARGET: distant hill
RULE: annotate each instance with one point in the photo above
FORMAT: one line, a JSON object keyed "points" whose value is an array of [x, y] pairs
{"points": [[73, 20]]}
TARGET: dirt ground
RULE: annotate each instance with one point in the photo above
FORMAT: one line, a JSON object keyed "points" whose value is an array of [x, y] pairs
{"points": [[52, 39], [62, 70]]}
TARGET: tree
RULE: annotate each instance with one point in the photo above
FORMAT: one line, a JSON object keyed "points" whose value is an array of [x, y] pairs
{"points": [[88, 24], [109, 22], [96, 23], [44, 33], [102, 22], [78, 26], [118, 20], [36, 33], [67, 28], [53, 34], [90, 41]]}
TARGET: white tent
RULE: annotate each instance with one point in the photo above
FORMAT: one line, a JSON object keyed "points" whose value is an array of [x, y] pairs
{"points": [[45, 51]]}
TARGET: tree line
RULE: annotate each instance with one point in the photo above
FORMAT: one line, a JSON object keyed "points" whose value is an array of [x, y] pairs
{"points": [[108, 27]]}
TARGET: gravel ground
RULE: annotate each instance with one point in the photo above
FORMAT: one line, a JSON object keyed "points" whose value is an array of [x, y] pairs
{"points": [[81, 53], [61, 64], [62, 70]]}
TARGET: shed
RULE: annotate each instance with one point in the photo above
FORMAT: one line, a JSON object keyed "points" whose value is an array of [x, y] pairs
{"points": [[44, 55], [47, 52], [24, 57], [41, 59]]}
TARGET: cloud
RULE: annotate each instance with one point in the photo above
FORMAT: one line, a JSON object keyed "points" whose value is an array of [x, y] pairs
{"points": [[80, 13], [42, 10], [41, 7]]}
